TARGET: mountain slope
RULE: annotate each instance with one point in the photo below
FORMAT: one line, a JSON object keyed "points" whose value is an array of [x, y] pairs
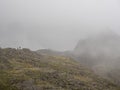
{"points": [[22, 69]]}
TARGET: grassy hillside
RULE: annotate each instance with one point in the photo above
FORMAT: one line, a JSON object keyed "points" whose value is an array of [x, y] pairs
{"points": [[26, 70]]}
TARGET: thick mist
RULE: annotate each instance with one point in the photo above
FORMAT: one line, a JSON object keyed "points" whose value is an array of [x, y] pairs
{"points": [[55, 24], [87, 31]]}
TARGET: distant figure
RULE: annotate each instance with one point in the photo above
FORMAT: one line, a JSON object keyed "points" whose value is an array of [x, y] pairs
{"points": [[19, 47]]}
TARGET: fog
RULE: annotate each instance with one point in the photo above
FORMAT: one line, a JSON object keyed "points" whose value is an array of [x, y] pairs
{"points": [[55, 24]]}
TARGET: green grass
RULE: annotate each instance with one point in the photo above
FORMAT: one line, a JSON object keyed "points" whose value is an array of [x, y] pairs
{"points": [[26, 70]]}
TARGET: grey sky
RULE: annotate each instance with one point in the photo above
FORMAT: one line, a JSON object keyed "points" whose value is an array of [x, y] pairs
{"points": [[55, 24]]}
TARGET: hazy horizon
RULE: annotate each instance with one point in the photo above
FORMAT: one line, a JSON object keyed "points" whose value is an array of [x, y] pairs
{"points": [[55, 24]]}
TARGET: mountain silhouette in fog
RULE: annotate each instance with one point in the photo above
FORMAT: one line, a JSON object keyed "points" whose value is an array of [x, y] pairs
{"points": [[102, 53], [105, 42]]}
